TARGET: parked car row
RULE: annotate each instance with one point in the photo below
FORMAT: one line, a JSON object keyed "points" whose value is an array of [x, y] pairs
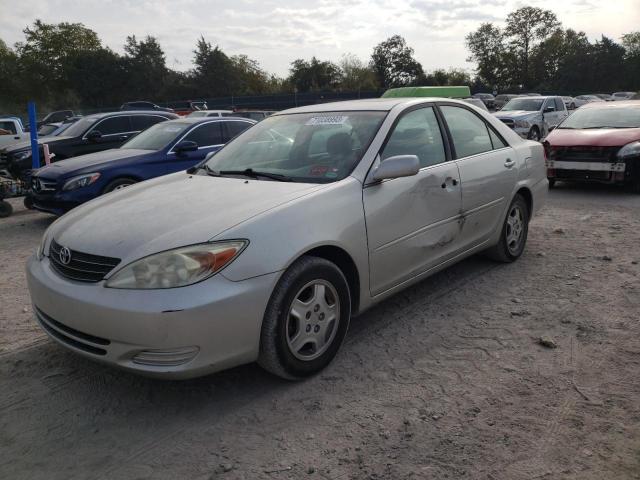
{"points": [[571, 103], [166, 147]]}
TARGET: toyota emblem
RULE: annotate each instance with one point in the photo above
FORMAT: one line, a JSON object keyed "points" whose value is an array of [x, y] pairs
{"points": [[64, 255]]}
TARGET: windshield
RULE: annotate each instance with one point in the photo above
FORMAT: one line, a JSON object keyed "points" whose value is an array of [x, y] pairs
{"points": [[47, 129], [80, 127], [157, 136], [306, 147], [527, 104], [603, 117]]}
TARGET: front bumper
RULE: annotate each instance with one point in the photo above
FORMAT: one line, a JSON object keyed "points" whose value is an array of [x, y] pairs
{"points": [[174, 333], [603, 172]]}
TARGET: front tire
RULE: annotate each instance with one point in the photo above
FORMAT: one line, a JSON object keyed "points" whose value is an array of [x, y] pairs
{"points": [[306, 319], [534, 134], [513, 236], [6, 209], [118, 184]]}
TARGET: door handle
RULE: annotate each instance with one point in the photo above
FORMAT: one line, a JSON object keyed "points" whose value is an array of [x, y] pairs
{"points": [[509, 163]]}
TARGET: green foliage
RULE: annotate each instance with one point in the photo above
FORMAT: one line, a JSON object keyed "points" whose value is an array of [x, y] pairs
{"points": [[533, 52], [314, 75], [393, 63]]}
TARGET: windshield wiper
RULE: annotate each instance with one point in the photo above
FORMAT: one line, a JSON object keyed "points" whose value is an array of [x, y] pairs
{"points": [[250, 172]]}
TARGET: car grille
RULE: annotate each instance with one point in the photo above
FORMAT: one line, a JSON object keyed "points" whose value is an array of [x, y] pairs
{"points": [[71, 336], [82, 267], [508, 122], [41, 185], [584, 154]]}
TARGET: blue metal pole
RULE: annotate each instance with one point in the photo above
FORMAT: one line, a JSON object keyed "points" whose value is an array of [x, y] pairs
{"points": [[33, 127]]}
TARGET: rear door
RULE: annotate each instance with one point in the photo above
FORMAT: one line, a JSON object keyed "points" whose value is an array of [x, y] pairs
{"points": [[208, 136], [412, 222], [488, 172]]}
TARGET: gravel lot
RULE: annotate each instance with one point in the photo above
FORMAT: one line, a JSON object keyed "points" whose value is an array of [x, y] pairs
{"points": [[445, 380]]}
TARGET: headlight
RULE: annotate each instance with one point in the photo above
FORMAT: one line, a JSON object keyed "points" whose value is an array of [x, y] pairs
{"points": [[80, 181], [629, 150], [179, 267], [522, 123], [22, 155]]}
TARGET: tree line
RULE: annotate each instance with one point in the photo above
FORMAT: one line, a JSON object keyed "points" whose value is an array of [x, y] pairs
{"points": [[65, 65]]}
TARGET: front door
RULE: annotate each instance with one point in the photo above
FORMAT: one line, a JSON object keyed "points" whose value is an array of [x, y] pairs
{"points": [[488, 172], [207, 136], [412, 222]]}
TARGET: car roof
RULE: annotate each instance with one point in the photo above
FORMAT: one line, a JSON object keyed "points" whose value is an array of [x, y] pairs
{"points": [[130, 112], [368, 104], [192, 120], [619, 104]]}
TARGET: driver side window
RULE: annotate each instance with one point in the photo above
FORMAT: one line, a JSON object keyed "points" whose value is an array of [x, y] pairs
{"points": [[417, 133]]}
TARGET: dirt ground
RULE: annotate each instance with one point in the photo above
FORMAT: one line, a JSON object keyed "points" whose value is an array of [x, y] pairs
{"points": [[446, 380]]}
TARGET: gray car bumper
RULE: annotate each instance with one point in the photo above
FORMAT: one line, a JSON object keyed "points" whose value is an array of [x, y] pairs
{"points": [[173, 333]]}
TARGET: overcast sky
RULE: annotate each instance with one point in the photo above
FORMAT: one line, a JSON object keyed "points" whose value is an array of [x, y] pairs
{"points": [[276, 32]]}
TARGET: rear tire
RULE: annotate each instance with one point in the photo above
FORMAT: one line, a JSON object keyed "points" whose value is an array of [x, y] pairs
{"points": [[118, 184], [513, 236], [5, 209], [306, 319], [552, 182]]}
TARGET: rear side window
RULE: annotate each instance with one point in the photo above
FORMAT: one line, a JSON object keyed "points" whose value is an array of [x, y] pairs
{"points": [[469, 133], [206, 135], [142, 122], [114, 125], [417, 133], [7, 127], [559, 104], [496, 140], [234, 129]]}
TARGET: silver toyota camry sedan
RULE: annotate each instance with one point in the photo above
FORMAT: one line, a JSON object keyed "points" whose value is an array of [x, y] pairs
{"points": [[266, 250]]}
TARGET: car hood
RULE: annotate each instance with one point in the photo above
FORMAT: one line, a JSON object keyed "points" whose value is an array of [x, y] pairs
{"points": [[596, 137], [516, 114], [89, 161], [169, 212]]}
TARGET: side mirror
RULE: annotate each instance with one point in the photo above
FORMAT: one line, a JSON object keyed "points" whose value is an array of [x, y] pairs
{"points": [[94, 136], [549, 109], [397, 166], [186, 146]]}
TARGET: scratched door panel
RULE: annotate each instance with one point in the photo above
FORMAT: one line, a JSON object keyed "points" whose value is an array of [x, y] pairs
{"points": [[413, 223]]}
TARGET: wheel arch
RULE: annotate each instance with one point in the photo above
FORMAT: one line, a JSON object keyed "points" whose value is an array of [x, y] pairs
{"points": [[525, 193], [347, 266], [123, 176]]}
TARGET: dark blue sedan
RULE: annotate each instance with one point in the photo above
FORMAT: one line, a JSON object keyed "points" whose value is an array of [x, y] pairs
{"points": [[164, 148]]}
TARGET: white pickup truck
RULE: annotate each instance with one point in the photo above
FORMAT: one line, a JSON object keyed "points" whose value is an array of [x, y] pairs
{"points": [[12, 131]]}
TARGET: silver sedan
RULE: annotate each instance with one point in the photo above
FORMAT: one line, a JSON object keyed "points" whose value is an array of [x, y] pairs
{"points": [[267, 249]]}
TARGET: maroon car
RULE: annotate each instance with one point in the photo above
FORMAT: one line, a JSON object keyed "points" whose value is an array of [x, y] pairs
{"points": [[599, 142]]}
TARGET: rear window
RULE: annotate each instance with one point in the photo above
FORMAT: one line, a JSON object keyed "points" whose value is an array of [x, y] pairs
{"points": [[7, 128], [607, 117]]}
